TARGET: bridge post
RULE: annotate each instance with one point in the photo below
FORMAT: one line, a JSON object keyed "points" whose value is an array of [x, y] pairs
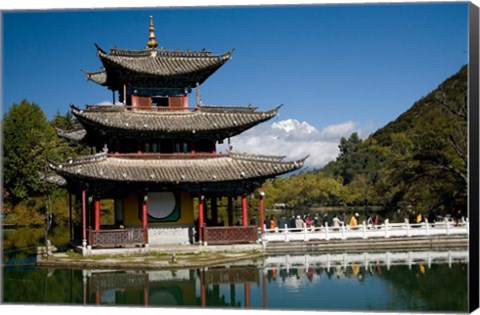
{"points": [[407, 225], [328, 263], [386, 228], [286, 233], [387, 259], [327, 236], [448, 226], [426, 227], [343, 232], [364, 230], [305, 237]]}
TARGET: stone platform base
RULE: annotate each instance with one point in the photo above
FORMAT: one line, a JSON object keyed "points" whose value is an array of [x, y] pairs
{"points": [[171, 234]]}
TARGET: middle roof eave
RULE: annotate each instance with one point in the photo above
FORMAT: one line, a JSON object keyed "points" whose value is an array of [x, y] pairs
{"points": [[116, 117]]}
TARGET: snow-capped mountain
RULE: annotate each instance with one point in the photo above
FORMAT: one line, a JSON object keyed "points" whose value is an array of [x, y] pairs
{"points": [[294, 125], [295, 140]]}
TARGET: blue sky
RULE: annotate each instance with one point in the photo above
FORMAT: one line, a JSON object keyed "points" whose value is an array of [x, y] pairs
{"points": [[337, 68]]}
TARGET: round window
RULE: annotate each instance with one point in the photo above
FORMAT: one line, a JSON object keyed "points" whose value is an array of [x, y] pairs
{"points": [[161, 204]]}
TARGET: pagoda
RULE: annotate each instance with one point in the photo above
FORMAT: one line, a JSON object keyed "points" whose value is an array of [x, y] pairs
{"points": [[155, 156]]}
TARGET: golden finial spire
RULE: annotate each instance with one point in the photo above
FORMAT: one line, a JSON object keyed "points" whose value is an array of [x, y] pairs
{"points": [[152, 43]]}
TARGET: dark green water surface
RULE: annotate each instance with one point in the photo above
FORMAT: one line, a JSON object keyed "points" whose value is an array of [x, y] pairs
{"points": [[309, 281]]}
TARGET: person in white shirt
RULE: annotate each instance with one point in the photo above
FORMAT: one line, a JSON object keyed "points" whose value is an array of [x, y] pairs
{"points": [[299, 222], [336, 222]]}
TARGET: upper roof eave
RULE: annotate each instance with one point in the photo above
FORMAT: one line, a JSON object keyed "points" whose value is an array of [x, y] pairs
{"points": [[99, 77], [147, 52], [162, 62]]}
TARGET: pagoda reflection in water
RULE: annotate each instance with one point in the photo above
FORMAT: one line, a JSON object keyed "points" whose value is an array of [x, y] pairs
{"points": [[200, 287]]}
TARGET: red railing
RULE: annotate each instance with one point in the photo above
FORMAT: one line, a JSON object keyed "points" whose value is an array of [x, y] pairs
{"points": [[162, 109], [118, 237], [230, 234]]}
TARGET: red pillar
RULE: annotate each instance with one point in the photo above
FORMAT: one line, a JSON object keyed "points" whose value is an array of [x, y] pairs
{"points": [[247, 294], [146, 301], [200, 218], [84, 285], [244, 210], [97, 213], [84, 218], [203, 289], [144, 211], [98, 297], [262, 211], [264, 287]]}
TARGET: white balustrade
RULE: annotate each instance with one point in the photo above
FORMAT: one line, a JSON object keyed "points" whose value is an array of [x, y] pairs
{"points": [[386, 230]]}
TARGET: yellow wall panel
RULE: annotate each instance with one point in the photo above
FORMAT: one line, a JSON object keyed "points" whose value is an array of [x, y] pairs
{"points": [[131, 211]]}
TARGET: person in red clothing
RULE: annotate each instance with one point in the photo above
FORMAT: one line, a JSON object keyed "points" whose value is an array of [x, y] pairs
{"points": [[376, 220]]}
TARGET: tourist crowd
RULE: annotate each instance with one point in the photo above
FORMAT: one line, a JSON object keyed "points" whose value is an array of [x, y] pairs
{"points": [[335, 221], [317, 221]]}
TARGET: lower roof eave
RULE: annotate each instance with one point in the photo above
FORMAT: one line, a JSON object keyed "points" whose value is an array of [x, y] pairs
{"points": [[195, 174]]}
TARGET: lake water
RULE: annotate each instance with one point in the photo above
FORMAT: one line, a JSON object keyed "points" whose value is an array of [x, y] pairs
{"points": [[373, 281]]}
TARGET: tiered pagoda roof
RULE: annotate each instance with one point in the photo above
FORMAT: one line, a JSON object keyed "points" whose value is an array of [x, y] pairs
{"points": [[154, 73], [217, 121], [172, 169]]}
